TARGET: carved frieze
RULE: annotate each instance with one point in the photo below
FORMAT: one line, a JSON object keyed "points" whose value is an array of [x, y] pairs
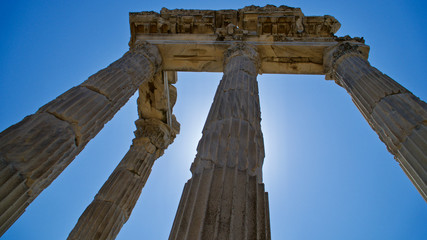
{"points": [[280, 22]]}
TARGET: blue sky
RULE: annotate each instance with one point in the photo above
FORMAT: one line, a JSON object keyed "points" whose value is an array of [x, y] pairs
{"points": [[327, 173]]}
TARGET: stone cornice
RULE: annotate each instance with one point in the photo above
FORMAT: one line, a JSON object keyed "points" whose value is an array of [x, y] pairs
{"points": [[279, 22], [287, 41]]}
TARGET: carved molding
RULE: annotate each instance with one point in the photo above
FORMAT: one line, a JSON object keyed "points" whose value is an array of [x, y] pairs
{"points": [[159, 133], [152, 110], [148, 50], [234, 24], [334, 53], [242, 49], [347, 38]]}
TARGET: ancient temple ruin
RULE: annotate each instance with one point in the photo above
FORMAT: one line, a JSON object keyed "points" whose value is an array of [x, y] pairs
{"points": [[225, 197]]}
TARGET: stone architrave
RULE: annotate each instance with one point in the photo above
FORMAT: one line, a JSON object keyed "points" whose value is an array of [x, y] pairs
{"points": [[225, 198], [36, 150], [398, 117]]}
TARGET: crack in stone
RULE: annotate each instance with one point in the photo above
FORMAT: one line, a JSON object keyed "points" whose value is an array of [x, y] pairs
{"points": [[94, 89], [72, 125], [115, 204]]}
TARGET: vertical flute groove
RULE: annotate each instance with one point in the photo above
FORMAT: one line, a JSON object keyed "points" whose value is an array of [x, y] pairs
{"points": [[398, 117], [113, 205], [42, 145], [225, 198]]}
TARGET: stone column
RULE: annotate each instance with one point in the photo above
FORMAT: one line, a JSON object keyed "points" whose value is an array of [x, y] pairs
{"points": [[113, 204], [225, 198], [34, 151], [398, 117]]}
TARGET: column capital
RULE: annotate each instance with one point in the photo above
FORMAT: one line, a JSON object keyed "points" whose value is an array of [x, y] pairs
{"points": [[158, 132], [335, 53], [148, 50], [242, 49]]}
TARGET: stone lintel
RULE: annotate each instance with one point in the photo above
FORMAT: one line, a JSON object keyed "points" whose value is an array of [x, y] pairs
{"points": [[288, 42], [202, 53]]}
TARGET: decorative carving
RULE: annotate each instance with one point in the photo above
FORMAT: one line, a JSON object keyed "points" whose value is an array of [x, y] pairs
{"points": [[334, 53], [231, 32], [343, 49], [152, 100], [347, 38], [151, 52], [234, 24], [239, 49], [159, 133]]}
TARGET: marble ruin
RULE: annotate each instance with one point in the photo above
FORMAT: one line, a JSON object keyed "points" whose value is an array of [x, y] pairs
{"points": [[225, 197]]}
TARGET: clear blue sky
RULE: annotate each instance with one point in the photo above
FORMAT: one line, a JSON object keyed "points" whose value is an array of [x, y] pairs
{"points": [[327, 173]]}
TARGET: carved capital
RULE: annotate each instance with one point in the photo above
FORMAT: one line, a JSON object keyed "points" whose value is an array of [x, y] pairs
{"points": [[333, 54], [242, 49], [148, 50], [159, 133]]}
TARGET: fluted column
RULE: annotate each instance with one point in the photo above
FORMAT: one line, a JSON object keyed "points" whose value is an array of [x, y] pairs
{"points": [[398, 117], [35, 151], [113, 204], [225, 198]]}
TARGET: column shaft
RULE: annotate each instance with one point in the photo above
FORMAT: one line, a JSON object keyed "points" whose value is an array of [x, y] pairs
{"points": [[225, 198], [399, 117], [35, 151], [113, 204]]}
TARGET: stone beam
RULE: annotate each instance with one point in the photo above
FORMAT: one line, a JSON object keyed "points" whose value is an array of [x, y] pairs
{"points": [[194, 40], [199, 54]]}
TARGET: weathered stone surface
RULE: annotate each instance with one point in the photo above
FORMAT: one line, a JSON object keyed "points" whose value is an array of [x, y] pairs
{"points": [[85, 110], [398, 117], [413, 149], [252, 20], [225, 198], [37, 149], [340, 52], [152, 102], [222, 203], [114, 203], [232, 132], [194, 40]]}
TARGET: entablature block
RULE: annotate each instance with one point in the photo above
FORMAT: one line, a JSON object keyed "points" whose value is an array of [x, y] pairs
{"points": [[195, 40]]}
